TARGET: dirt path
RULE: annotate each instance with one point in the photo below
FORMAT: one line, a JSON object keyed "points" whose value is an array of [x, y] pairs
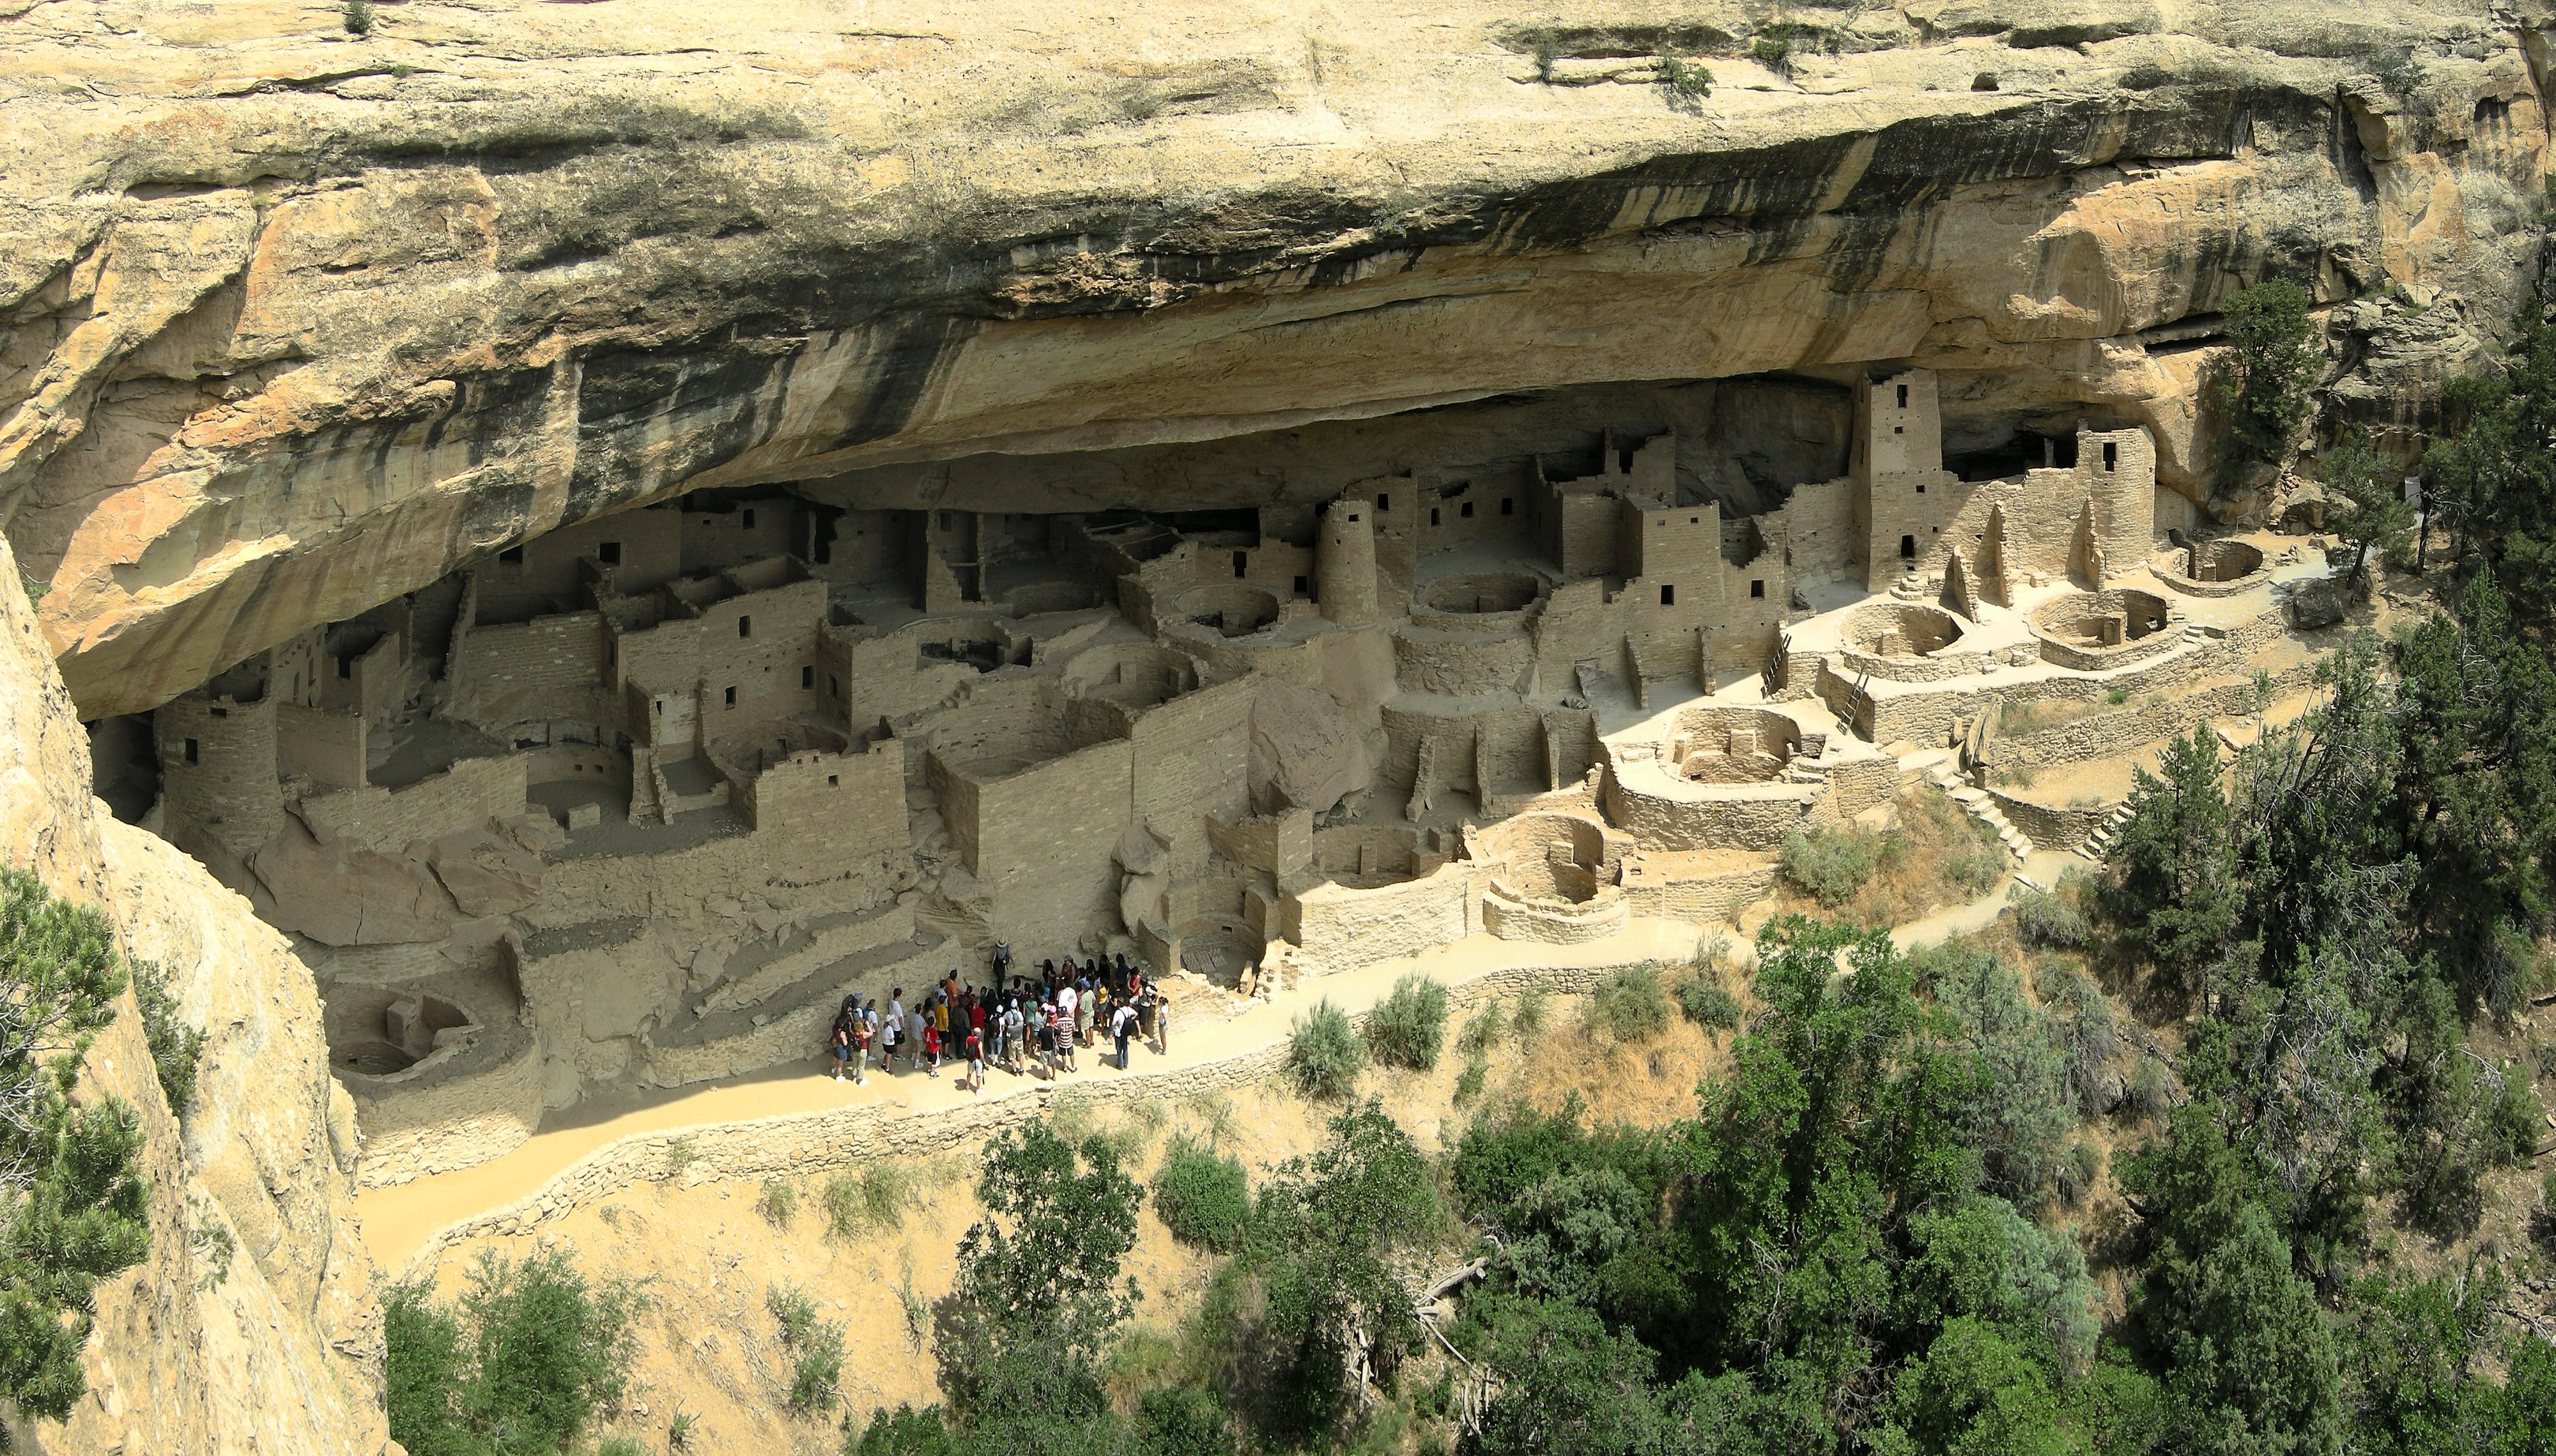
{"points": [[399, 1221]]}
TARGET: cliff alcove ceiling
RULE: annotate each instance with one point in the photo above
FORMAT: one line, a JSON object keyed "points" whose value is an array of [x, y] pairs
{"points": [[303, 321]]}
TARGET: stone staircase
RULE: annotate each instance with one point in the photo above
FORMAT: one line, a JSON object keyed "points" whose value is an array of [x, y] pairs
{"points": [[2100, 841], [1981, 807]]}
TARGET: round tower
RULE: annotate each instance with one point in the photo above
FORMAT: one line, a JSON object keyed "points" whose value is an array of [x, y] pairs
{"points": [[1345, 563]]}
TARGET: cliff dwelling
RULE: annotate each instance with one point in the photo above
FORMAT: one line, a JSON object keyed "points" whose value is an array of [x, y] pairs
{"points": [[637, 801]]}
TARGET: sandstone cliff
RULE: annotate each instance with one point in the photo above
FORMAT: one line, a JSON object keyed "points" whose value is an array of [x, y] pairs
{"points": [[275, 1347], [302, 318]]}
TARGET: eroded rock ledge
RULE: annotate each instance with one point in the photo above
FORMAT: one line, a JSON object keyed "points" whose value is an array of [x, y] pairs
{"points": [[302, 320]]}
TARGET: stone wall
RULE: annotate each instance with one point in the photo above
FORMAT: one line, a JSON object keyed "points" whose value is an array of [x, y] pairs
{"points": [[547, 670], [2049, 827], [328, 747], [1339, 928], [1731, 816], [1701, 899], [1047, 838], [217, 779], [455, 1122], [461, 798], [1190, 759]]}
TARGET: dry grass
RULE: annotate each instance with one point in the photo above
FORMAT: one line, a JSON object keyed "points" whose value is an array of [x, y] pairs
{"points": [[1933, 857]]}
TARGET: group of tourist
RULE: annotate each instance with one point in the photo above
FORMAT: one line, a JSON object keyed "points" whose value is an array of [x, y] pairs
{"points": [[1027, 1024]]}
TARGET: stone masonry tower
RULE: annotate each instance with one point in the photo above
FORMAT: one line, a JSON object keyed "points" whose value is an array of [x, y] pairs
{"points": [[1344, 584]]}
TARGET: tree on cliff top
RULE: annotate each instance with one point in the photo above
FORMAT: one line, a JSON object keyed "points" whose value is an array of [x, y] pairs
{"points": [[2270, 367], [70, 1204]]}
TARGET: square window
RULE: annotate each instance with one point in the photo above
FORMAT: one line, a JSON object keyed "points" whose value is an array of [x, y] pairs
{"points": [[609, 553], [191, 751], [1756, 588], [1668, 596]]}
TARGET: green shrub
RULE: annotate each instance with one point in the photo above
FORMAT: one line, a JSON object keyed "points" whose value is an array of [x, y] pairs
{"points": [[1407, 1028], [521, 1366], [1830, 864], [2048, 920], [1200, 1197], [72, 1210], [1684, 78], [816, 1378], [1706, 1002], [1629, 1004], [778, 1202], [877, 1197], [176, 1047], [1528, 1018], [793, 1309], [1323, 1058]]}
